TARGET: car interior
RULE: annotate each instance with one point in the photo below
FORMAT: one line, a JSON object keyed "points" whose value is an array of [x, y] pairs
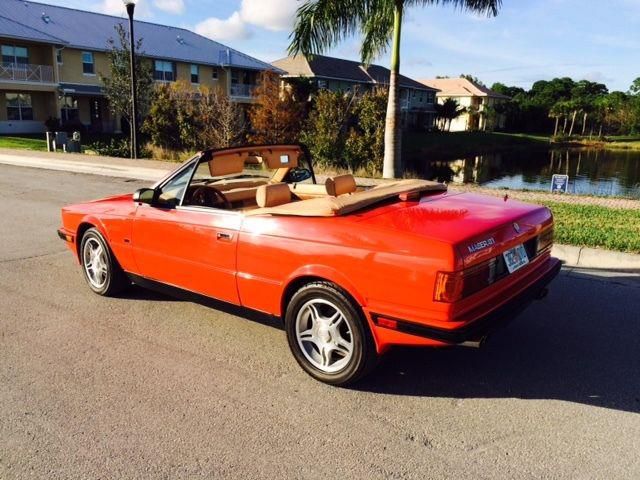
{"points": [[243, 179], [271, 179]]}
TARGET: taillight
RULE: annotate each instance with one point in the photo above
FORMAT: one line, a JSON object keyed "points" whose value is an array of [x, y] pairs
{"points": [[545, 239], [448, 287], [453, 286]]}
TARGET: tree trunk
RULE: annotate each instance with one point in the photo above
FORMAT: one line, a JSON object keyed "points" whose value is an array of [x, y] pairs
{"points": [[555, 130], [600, 132], [392, 139], [573, 122], [584, 122], [564, 125]]}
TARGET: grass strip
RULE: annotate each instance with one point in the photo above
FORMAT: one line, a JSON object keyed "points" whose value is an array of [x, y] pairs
{"points": [[596, 226]]}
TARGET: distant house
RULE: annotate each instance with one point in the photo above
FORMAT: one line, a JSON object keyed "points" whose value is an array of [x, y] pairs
{"points": [[335, 74], [479, 102], [53, 57]]}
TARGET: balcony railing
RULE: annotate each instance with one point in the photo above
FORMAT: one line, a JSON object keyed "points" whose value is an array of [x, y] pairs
{"points": [[17, 72], [242, 90]]}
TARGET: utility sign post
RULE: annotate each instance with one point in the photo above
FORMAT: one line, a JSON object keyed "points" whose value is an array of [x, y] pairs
{"points": [[559, 183]]}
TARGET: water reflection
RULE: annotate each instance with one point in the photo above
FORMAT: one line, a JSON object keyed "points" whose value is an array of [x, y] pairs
{"points": [[591, 171]]}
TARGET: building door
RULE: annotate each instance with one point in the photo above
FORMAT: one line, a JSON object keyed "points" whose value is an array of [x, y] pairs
{"points": [[96, 107]]}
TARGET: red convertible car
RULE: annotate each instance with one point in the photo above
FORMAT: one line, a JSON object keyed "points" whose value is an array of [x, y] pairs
{"points": [[351, 271]]}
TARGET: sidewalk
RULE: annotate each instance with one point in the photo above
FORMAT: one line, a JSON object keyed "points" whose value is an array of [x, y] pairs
{"points": [[153, 170]]}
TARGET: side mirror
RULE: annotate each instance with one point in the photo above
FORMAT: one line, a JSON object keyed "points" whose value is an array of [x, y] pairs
{"points": [[299, 174], [145, 195]]}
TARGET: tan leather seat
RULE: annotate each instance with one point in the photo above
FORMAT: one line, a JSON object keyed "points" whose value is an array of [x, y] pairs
{"points": [[340, 185], [273, 195]]}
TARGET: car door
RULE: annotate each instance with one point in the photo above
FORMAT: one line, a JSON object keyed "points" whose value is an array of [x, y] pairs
{"points": [[190, 247]]}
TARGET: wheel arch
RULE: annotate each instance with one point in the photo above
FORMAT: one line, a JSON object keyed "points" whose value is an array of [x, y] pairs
{"points": [[315, 273], [83, 226]]}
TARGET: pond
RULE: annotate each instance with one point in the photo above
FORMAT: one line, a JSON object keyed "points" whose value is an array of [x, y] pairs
{"points": [[591, 171]]}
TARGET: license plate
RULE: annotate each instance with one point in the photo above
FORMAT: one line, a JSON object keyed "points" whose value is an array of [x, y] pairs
{"points": [[515, 258]]}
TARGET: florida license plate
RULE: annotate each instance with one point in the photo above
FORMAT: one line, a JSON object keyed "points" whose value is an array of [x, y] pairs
{"points": [[515, 258]]}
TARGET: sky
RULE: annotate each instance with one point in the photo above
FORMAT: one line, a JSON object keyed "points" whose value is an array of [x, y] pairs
{"points": [[529, 40]]}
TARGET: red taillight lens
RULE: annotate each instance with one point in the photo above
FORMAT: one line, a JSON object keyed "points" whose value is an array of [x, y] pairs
{"points": [[448, 287], [545, 240], [453, 286]]}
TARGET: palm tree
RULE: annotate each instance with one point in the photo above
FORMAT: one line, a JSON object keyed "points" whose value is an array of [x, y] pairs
{"points": [[322, 24], [451, 110]]}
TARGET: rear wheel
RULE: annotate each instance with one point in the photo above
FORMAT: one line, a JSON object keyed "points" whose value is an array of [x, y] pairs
{"points": [[101, 270], [328, 335]]}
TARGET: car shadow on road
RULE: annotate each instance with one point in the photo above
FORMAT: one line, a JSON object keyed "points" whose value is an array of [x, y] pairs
{"points": [[153, 291], [581, 344]]}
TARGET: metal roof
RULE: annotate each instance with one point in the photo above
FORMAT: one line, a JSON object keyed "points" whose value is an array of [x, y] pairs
{"points": [[91, 31]]}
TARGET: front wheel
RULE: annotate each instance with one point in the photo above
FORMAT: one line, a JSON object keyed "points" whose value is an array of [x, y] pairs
{"points": [[328, 335], [101, 269]]}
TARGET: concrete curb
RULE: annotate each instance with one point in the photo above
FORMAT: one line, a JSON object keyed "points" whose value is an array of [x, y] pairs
{"points": [[585, 257], [152, 170]]}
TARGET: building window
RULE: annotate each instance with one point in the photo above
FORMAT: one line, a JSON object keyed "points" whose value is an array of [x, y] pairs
{"points": [[214, 75], [59, 56], [195, 74], [69, 110], [235, 77], [430, 97], [322, 84], [88, 67], [12, 55], [19, 106], [164, 71]]}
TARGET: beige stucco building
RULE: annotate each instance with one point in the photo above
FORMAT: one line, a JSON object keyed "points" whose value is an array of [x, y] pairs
{"points": [[478, 101], [53, 59]]}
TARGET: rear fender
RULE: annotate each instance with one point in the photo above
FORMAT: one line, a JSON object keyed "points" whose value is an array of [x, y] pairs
{"points": [[329, 274]]}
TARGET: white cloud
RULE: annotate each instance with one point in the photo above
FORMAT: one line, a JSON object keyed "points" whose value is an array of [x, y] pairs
{"points": [[233, 28], [274, 15], [171, 6]]}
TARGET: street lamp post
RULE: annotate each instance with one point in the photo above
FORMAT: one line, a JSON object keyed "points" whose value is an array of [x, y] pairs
{"points": [[131, 5]]}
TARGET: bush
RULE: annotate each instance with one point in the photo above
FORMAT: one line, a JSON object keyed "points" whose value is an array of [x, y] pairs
{"points": [[326, 130], [116, 147], [346, 132]]}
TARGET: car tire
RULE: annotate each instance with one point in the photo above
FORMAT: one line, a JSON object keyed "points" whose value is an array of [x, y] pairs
{"points": [[99, 266], [328, 334]]}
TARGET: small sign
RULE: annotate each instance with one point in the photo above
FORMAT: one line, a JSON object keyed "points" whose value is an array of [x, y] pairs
{"points": [[284, 159], [559, 183]]}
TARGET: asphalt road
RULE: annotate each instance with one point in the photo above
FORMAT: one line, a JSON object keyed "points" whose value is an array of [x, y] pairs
{"points": [[148, 386]]}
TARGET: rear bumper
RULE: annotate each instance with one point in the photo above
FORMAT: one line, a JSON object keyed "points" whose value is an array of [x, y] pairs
{"points": [[480, 328]]}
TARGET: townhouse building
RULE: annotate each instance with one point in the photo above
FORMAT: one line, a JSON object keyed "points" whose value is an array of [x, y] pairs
{"points": [[336, 74], [53, 59]]}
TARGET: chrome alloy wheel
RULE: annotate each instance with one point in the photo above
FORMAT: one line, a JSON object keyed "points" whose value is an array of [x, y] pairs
{"points": [[95, 263], [324, 335]]}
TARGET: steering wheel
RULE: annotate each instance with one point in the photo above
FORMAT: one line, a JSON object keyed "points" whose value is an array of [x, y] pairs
{"points": [[209, 197]]}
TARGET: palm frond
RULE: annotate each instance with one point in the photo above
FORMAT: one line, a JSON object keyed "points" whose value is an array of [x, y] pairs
{"points": [[377, 29], [322, 24], [486, 7]]}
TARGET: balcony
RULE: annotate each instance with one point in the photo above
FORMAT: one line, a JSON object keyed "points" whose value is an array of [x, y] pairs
{"points": [[18, 72], [242, 90]]}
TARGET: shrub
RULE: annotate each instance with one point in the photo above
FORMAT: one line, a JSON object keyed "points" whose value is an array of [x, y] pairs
{"points": [[326, 130], [276, 117]]}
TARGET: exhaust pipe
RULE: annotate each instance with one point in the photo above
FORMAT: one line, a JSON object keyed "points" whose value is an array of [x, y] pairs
{"points": [[474, 343]]}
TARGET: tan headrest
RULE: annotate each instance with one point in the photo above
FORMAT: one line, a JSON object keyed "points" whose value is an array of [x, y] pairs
{"points": [[340, 185], [273, 195]]}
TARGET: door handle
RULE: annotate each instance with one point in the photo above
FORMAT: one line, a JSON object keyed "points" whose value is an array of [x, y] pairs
{"points": [[224, 236]]}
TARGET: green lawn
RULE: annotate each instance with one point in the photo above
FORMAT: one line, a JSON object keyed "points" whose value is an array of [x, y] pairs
{"points": [[454, 145], [24, 142], [596, 226]]}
